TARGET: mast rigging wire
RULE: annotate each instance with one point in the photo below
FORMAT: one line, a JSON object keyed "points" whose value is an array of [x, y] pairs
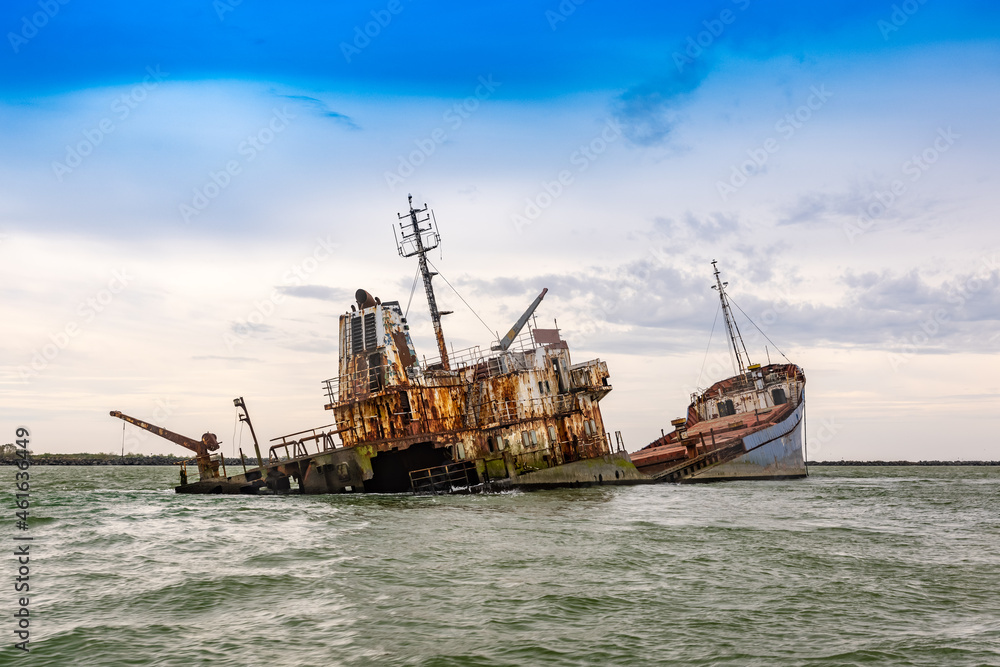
{"points": [[461, 297], [759, 329], [707, 347], [413, 288]]}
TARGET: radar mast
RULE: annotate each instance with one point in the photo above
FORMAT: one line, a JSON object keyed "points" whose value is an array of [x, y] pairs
{"points": [[419, 235]]}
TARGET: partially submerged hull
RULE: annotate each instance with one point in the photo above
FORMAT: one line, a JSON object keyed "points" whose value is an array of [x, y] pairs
{"points": [[745, 427], [774, 452]]}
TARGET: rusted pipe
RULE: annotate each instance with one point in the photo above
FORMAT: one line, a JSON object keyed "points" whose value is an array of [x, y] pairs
{"points": [[364, 299]]}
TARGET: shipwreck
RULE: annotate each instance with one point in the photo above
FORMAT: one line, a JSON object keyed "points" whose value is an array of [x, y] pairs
{"points": [[519, 415]]}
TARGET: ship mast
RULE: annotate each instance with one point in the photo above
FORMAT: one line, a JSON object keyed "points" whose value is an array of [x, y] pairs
{"points": [[734, 330], [417, 240]]}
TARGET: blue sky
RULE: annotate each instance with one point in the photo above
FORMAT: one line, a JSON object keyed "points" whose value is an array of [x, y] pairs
{"points": [[211, 158]]}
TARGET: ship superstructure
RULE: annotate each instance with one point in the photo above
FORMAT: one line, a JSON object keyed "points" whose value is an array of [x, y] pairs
{"points": [[519, 414]]}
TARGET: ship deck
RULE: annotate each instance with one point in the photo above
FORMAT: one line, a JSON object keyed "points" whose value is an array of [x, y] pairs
{"points": [[704, 437]]}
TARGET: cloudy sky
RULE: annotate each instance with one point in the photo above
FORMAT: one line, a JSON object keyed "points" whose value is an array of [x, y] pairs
{"points": [[190, 195]]}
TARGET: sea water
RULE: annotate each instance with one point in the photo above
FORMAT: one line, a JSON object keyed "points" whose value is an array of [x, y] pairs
{"points": [[852, 566]]}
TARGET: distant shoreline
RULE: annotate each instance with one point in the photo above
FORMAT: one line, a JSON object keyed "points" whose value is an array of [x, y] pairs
{"points": [[237, 464], [118, 460], [902, 463]]}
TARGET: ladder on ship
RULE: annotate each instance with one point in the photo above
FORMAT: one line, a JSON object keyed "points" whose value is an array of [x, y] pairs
{"points": [[445, 478], [685, 470]]}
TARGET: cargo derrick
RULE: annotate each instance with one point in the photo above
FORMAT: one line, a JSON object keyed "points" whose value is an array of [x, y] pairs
{"points": [[208, 466]]}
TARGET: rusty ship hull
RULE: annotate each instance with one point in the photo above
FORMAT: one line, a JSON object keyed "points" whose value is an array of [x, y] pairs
{"points": [[745, 427], [748, 426]]}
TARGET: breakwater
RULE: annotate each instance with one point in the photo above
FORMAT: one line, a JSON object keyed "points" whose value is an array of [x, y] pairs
{"points": [[119, 460]]}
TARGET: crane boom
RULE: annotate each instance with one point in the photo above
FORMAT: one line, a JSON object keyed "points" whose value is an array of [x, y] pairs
{"points": [[506, 341], [208, 442]]}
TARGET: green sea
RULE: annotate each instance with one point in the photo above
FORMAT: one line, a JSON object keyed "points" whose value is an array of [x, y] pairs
{"points": [[852, 566]]}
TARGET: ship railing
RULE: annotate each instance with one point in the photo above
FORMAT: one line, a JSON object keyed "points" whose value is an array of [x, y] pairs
{"points": [[324, 440], [517, 409], [618, 445], [444, 478], [493, 363], [458, 359], [357, 384], [299, 450]]}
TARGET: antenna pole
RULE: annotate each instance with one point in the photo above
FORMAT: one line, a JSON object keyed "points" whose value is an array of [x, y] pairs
{"points": [[734, 331], [412, 244]]}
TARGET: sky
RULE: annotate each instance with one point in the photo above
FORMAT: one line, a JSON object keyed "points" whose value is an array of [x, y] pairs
{"points": [[190, 195]]}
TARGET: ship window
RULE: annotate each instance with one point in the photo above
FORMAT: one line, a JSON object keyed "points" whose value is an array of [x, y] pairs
{"points": [[524, 439], [506, 443], [730, 410], [778, 394], [593, 427], [547, 390], [533, 437], [541, 387], [726, 408], [552, 435], [490, 445], [460, 451]]}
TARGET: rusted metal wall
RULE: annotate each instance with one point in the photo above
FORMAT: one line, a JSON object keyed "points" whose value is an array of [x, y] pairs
{"points": [[504, 408]]}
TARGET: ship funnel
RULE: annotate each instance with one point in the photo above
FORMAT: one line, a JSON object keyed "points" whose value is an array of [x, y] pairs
{"points": [[364, 299]]}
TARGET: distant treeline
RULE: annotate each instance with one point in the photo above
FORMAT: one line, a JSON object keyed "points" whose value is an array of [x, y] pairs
{"points": [[116, 460], [903, 463], [170, 459]]}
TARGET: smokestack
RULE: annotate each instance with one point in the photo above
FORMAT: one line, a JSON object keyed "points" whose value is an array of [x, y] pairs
{"points": [[364, 299]]}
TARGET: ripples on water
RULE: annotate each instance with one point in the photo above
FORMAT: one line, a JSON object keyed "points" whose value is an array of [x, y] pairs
{"points": [[851, 566]]}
